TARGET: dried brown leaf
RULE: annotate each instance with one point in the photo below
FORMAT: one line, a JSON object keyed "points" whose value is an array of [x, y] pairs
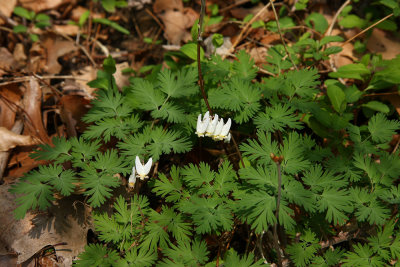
{"points": [[383, 43], [40, 5], [55, 49], [176, 20], [7, 7], [9, 140]]}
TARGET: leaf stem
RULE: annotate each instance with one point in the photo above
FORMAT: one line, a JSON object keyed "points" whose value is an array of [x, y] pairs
{"points": [[199, 39], [278, 202], [280, 34], [238, 151]]}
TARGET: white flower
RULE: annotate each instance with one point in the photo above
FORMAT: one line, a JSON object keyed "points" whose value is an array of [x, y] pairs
{"points": [[202, 124], [227, 139], [211, 126], [132, 178], [218, 129], [142, 171], [222, 131]]}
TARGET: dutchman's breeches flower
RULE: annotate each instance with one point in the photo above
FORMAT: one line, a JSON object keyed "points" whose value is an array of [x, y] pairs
{"points": [[202, 124], [211, 126], [214, 127], [222, 130], [132, 178], [139, 171]]}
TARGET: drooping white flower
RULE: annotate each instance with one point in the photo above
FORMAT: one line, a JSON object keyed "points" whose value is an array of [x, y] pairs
{"points": [[227, 139], [143, 171], [218, 129], [132, 178], [225, 131], [206, 116], [202, 124], [211, 126], [222, 132]]}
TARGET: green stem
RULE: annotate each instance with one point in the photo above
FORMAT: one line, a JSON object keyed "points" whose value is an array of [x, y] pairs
{"points": [[278, 202]]}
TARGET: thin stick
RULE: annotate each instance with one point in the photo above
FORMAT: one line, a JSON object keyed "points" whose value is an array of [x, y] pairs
{"points": [[238, 151], [280, 34], [373, 25], [329, 31], [155, 18], [396, 146], [47, 77], [259, 244], [278, 202], [242, 32], [199, 39], [238, 3], [201, 80], [78, 45]]}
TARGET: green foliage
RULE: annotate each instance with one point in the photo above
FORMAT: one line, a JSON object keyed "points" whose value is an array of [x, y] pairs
{"points": [[232, 258], [321, 149], [302, 253], [97, 255], [39, 21]]}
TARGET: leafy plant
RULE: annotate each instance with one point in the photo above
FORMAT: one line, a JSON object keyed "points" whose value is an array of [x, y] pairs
{"points": [[40, 21], [315, 161]]}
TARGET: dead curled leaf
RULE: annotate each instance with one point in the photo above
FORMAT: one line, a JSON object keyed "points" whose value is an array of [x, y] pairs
{"points": [[39, 5], [7, 7], [176, 19], [383, 43], [56, 48], [9, 140]]}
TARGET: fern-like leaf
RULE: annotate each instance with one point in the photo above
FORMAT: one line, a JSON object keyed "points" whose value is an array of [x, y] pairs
{"points": [[170, 112], [362, 256], [186, 254], [172, 189], [144, 96], [336, 203], [302, 253], [244, 66], [209, 214], [237, 95], [181, 83], [231, 258], [117, 127], [58, 153], [368, 207], [293, 154], [97, 255], [277, 118], [260, 150], [302, 82], [140, 257], [381, 128], [154, 142]]}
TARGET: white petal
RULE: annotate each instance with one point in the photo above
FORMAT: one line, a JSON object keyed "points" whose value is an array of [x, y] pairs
{"points": [[227, 138], [211, 126], [139, 166], [206, 115], [132, 179], [205, 124], [199, 122], [218, 128], [226, 128], [147, 167]]}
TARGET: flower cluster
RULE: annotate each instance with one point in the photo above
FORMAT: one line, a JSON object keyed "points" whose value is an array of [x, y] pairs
{"points": [[213, 127], [141, 171]]}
